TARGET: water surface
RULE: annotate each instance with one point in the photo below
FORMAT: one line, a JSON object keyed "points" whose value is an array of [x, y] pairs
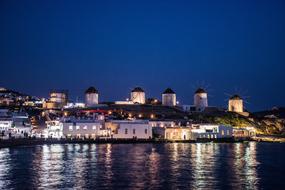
{"points": [[138, 166]]}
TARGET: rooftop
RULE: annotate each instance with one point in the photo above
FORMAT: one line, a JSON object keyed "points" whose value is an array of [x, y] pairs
{"points": [[137, 89], [168, 91], [200, 90], [91, 90], [235, 97]]}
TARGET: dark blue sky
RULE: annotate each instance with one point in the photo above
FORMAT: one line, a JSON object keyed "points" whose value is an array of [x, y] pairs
{"points": [[116, 45]]}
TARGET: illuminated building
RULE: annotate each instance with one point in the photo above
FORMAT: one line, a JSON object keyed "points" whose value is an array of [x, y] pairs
{"points": [[126, 129], [211, 131], [58, 99], [169, 97], [172, 133], [14, 124], [90, 129], [244, 132], [91, 97], [138, 95], [200, 99]]}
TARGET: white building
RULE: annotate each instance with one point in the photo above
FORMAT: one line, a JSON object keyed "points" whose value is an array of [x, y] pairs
{"points": [[169, 97], [173, 133], [157, 123], [211, 131], [200, 99], [58, 99], [54, 129], [85, 129], [91, 97], [138, 95], [5, 126], [15, 125], [22, 126], [126, 129]]}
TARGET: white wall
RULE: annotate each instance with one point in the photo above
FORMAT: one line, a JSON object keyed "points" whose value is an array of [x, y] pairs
{"points": [[82, 129], [138, 97], [91, 99], [212, 132], [235, 106], [133, 130], [169, 99], [200, 101]]}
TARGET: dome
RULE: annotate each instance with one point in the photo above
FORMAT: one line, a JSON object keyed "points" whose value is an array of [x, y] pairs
{"points": [[200, 90], [235, 97], [137, 89], [168, 91], [91, 90]]}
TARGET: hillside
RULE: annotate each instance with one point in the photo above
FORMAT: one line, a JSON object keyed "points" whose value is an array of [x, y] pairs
{"points": [[266, 122]]}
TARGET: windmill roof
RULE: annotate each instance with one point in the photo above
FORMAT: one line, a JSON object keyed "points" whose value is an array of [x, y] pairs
{"points": [[235, 97], [200, 90], [91, 90], [137, 89], [168, 91]]}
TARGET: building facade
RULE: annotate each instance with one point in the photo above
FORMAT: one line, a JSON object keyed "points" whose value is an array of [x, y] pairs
{"points": [[173, 133], [90, 129], [126, 129], [211, 131]]}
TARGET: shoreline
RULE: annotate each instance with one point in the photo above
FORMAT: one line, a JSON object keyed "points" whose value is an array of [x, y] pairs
{"points": [[9, 143]]}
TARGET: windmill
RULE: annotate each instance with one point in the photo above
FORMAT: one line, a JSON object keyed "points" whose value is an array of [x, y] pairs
{"points": [[236, 100]]}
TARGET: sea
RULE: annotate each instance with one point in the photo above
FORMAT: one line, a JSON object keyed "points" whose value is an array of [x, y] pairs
{"points": [[247, 165]]}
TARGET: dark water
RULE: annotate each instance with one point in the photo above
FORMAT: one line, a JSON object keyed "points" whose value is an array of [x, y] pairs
{"points": [[139, 166]]}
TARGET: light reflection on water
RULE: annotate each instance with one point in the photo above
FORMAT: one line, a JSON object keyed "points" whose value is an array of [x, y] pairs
{"points": [[139, 166]]}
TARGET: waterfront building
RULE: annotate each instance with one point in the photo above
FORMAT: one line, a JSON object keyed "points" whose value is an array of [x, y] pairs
{"points": [[129, 129], [138, 96], [21, 125], [91, 97], [173, 133], [5, 126], [245, 132], [14, 125], [161, 123], [200, 99], [169, 97], [211, 131], [54, 129], [88, 128]]}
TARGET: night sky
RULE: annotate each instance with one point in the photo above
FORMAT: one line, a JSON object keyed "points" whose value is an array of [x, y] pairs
{"points": [[226, 46]]}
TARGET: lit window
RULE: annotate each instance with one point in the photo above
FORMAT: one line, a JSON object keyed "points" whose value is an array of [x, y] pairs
{"points": [[85, 127], [70, 128], [228, 132], [126, 131], [223, 132], [94, 127], [77, 127]]}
